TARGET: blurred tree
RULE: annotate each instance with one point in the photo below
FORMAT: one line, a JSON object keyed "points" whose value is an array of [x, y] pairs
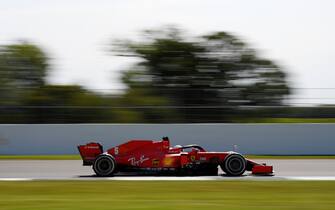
{"points": [[206, 77], [23, 66], [149, 108], [64, 104]]}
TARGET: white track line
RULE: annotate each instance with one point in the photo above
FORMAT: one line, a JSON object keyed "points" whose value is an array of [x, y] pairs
{"points": [[162, 178], [16, 179], [312, 178]]}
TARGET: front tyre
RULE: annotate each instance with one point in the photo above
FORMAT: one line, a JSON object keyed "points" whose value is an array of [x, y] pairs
{"points": [[104, 165], [234, 165]]}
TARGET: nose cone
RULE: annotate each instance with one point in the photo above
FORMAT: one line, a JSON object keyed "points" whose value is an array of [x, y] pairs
{"points": [[262, 170]]}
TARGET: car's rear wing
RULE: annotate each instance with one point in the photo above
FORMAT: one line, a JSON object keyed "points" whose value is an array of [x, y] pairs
{"points": [[89, 152]]}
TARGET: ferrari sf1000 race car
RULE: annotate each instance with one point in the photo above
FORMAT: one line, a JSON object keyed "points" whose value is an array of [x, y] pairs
{"points": [[159, 157]]}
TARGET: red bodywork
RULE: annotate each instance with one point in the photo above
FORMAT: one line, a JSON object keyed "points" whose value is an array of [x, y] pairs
{"points": [[159, 156]]}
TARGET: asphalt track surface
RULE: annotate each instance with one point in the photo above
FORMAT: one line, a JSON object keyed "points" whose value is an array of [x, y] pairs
{"points": [[12, 170]]}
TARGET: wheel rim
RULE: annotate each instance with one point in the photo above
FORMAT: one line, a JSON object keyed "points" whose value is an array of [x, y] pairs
{"points": [[104, 165], [235, 165]]}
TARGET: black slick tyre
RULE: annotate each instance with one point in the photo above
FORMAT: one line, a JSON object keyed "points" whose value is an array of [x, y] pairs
{"points": [[104, 165], [234, 165]]}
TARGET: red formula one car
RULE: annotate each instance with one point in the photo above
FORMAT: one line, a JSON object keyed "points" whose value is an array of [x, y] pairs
{"points": [[159, 157]]}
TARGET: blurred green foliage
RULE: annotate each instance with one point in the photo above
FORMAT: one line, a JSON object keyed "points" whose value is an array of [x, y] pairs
{"points": [[22, 66], [212, 74], [50, 103], [178, 79]]}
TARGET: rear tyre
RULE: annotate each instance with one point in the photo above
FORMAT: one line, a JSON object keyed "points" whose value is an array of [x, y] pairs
{"points": [[104, 165], [234, 165]]}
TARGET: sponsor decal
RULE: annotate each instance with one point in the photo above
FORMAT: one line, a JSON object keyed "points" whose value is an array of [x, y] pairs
{"points": [[202, 158], [92, 147], [192, 158], [168, 161], [135, 162], [155, 162]]}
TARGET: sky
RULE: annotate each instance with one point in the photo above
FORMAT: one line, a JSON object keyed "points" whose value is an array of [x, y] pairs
{"points": [[77, 34]]}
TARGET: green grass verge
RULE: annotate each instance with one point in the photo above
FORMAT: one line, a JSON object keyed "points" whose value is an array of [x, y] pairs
{"points": [[152, 195], [77, 157], [284, 120]]}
